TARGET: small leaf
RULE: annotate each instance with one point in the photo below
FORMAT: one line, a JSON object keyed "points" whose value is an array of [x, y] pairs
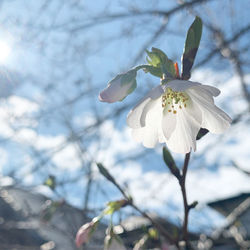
{"points": [[113, 206], [153, 59], [162, 64], [193, 205], [201, 133], [153, 71], [169, 161], [153, 233], [191, 47], [50, 182], [105, 172]]}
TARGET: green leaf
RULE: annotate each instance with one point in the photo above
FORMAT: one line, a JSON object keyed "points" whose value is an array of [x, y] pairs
{"points": [[201, 133], [113, 206], [50, 182], [153, 59], [191, 47], [160, 63], [169, 68], [166, 64], [169, 161], [153, 233], [153, 71], [105, 172]]}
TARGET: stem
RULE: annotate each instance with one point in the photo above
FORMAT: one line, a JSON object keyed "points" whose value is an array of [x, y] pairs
{"points": [[182, 181], [153, 221], [88, 188], [156, 224], [142, 66]]}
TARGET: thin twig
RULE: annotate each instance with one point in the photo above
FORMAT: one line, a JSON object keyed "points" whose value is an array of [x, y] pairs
{"points": [[182, 181], [130, 202]]}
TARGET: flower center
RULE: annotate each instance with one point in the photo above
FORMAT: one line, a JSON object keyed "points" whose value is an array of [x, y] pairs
{"points": [[174, 100]]}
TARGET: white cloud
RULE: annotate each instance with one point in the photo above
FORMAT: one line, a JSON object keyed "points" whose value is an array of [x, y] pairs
{"points": [[67, 158]]}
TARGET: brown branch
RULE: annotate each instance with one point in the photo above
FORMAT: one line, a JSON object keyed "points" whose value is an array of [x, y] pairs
{"points": [[105, 19], [213, 53], [181, 177], [233, 56], [130, 202], [155, 36], [182, 182]]}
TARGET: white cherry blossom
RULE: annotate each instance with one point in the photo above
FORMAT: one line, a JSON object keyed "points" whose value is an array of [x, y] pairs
{"points": [[173, 113]]}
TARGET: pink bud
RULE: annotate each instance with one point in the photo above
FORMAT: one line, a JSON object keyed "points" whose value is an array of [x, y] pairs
{"points": [[119, 87], [82, 235], [164, 246]]}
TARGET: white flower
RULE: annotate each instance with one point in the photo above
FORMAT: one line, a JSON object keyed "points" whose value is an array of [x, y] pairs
{"points": [[119, 87], [174, 112]]}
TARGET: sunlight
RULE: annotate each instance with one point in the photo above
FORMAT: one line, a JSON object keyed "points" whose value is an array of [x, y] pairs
{"points": [[5, 50]]}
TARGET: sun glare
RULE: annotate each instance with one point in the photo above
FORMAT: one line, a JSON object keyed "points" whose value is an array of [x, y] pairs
{"points": [[4, 51]]}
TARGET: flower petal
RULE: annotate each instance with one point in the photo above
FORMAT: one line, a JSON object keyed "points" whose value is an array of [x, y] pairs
{"points": [[136, 117], [183, 137], [149, 135], [202, 92], [194, 111], [180, 85], [213, 118], [168, 123], [210, 89]]}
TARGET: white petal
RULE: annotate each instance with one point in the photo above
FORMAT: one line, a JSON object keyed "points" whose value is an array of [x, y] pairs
{"points": [[194, 111], [213, 118], [184, 136], [210, 89], [180, 85], [156, 92], [148, 138], [136, 117], [148, 106], [168, 123], [201, 94], [149, 135]]}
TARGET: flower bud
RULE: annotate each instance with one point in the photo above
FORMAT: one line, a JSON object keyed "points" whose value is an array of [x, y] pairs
{"points": [[120, 87], [83, 233]]}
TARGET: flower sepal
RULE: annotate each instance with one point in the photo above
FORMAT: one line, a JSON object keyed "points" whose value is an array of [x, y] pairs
{"points": [[160, 63]]}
